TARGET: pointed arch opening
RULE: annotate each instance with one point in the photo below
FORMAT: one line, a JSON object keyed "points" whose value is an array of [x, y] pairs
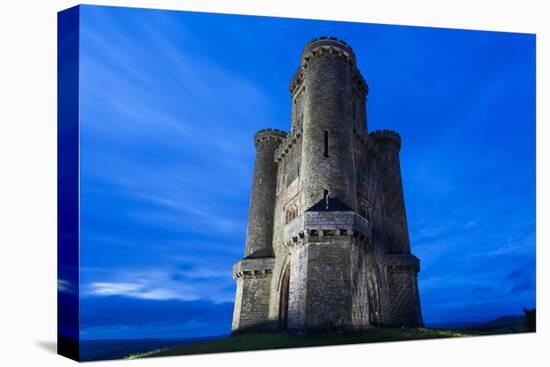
{"points": [[283, 299]]}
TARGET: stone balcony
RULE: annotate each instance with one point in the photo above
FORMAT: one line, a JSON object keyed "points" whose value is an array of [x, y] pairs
{"points": [[326, 223]]}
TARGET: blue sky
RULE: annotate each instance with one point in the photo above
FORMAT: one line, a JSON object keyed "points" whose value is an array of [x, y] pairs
{"points": [[170, 102]]}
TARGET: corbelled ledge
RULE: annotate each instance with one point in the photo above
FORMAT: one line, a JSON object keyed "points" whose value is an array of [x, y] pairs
{"points": [[312, 225], [402, 262], [254, 266]]}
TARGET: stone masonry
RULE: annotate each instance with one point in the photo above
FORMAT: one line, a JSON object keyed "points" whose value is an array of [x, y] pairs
{"points": [[327, 245]]}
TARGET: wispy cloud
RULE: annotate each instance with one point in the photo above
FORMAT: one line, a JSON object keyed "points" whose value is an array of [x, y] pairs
{"points": [[181, 207], [65, 286], [525, 245], [109, 289], [187, 284]]}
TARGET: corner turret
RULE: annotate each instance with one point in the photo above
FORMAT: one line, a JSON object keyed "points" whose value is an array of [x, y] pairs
{"points": [[386, 136], [253, 273]]}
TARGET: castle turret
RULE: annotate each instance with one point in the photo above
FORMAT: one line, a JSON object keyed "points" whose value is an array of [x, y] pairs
{"points": [[329, 118], [259, 232], [253, 273], [388, 144], [327, 236], [402, 303]]}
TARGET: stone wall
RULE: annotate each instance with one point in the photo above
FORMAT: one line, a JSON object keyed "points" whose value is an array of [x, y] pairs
{"points": [[328, 298], [252, 303], [251, 308], [360, 307], [297, 308], [403, 306]]}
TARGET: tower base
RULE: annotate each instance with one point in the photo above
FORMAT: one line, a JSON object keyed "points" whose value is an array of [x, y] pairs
{"points": [[404, 302], [253, 276]]}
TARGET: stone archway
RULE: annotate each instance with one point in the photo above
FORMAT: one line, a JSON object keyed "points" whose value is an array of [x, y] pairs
{"points": [[283, 299]]}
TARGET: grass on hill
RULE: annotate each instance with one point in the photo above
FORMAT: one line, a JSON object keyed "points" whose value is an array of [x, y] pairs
{"points": [[258, 341]]}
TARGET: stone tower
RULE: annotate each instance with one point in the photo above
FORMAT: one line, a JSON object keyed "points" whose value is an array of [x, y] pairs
{"points": [[327, 243]]}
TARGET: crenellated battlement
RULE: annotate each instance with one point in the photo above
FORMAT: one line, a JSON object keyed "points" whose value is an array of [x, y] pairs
{"points": [[287, 144], [386, 135], [327, 45], [366, 141], [296, 80], [269, 135], [360, 82], [254, 267], [313, 40], [314, 226]]}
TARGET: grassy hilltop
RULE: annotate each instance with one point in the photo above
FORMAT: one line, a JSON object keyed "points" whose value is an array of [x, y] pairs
{"points": [[258, 341], [276, 340]]}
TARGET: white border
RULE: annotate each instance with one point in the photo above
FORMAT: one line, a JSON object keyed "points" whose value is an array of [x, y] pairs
{"points": [[28, 180]]}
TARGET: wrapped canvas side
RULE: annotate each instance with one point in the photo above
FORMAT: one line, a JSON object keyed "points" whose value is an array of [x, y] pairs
{"points": [[68, 184]]}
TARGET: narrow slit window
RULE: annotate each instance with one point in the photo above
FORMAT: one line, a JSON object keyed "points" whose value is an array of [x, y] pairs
{"points": [[326, 143]]}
